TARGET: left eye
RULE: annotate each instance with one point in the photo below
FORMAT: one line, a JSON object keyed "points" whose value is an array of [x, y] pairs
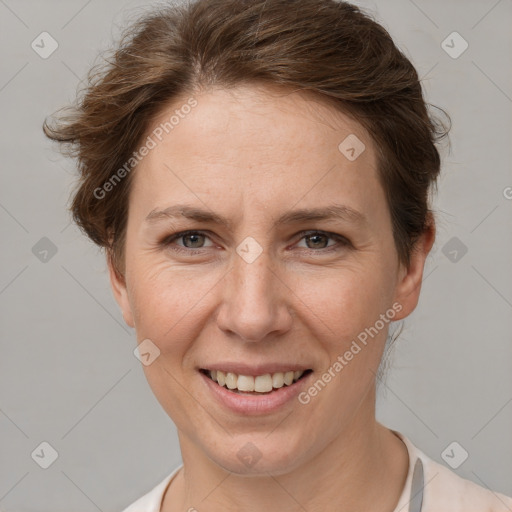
{"points": [[316, 235]]}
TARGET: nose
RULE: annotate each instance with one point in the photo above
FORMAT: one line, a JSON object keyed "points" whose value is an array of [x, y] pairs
{"points": [[255, 299]]}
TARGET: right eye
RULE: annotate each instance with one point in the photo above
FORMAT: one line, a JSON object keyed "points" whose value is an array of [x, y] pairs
{"points": [[192, 236]]}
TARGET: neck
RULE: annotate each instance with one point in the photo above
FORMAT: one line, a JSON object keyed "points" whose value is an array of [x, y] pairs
{"points": [[363, 468]]}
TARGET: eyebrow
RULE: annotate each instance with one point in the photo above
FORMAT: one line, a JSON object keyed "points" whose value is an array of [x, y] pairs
{"points": [[331, 212]]}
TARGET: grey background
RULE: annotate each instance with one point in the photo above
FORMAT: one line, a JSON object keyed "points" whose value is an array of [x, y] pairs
{"points": [[68, 375]]}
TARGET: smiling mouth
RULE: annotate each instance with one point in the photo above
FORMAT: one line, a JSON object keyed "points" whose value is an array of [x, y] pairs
{"points": [[254, 385]]}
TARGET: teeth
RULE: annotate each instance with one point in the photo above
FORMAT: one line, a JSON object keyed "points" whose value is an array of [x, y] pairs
{"points": [[259, 384], [278, 380], [245, 383], [231, 380], [262, 383]]}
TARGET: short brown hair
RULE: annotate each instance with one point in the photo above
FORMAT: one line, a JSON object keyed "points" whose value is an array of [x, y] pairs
{"points": [[328, 47]]}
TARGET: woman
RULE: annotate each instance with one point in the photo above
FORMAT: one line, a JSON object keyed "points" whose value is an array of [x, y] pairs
{"points": [[258, 173]]}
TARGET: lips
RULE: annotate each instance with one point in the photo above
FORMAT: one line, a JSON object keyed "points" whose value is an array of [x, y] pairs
{"points": [[254, 403]]}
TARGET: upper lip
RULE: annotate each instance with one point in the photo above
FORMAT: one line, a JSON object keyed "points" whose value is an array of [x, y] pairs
{"points": [[252, 369]]}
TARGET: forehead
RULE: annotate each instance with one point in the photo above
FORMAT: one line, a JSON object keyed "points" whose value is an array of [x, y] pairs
{"points": [[257, 144], [270, 117]]}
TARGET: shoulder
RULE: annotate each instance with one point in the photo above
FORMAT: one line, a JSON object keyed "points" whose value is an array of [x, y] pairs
{"points": [[444, 490], [152, 500]]}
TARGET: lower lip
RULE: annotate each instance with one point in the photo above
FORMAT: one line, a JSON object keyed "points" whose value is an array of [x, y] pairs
{"points": [[255, 404]]}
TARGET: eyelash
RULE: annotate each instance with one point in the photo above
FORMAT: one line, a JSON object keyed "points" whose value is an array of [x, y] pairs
{"points": [[340, 239]]}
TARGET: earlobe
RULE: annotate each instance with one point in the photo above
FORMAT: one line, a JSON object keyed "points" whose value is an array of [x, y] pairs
{"points": [[410, 278], [118, 285]]}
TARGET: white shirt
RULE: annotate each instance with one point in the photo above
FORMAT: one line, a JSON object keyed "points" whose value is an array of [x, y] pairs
{"points": [[440, 490]]}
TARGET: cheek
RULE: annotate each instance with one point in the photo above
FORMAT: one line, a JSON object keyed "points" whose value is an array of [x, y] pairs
{"points": [[349, 327], [167, 301], [172, 302], [347, 300]]}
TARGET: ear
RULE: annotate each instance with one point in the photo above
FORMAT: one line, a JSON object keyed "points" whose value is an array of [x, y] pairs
{"points": [[118, 284], [410, 278]]}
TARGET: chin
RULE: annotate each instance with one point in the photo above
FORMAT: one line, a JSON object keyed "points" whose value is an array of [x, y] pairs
{"points": [[257, 455]]}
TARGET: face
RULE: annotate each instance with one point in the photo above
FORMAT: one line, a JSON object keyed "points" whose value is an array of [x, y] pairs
{"points": [[257, 288]]}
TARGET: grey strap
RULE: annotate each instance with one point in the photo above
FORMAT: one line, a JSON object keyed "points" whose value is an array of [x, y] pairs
{"points": [[418, 483]]}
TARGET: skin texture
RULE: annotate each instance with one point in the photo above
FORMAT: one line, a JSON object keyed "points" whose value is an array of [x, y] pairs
{"points": [[251, 154]]}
